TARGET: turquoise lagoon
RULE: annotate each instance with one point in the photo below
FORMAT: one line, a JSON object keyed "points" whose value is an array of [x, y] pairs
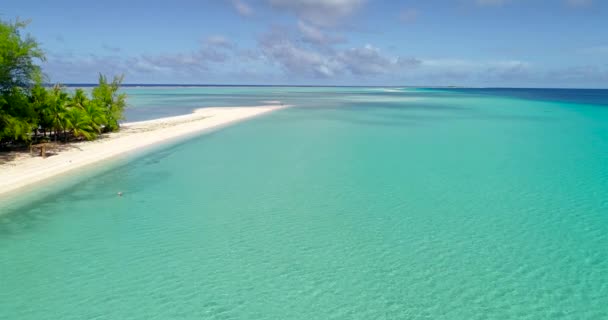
{"points": [[358, 203]]}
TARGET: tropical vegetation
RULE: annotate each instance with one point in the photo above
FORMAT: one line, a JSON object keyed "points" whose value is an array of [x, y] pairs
{"points": [[31, 111]]}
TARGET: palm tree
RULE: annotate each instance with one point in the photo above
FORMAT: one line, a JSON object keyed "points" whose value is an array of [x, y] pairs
{"points": [[79, 122], [14, 127], [39, 101], [56, 110], [78, 99], [96, 115]]}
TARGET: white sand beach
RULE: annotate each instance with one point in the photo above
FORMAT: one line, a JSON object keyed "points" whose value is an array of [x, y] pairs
{"points": [[26, 169]]}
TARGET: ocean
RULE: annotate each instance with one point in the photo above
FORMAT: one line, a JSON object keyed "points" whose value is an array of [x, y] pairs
{"points": [[357, 203]]}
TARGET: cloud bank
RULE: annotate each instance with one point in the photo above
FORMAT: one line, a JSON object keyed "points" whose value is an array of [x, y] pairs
{"points": [[315, 49]]}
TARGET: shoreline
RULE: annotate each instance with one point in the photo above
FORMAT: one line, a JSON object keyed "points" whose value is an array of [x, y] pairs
{"points": [[26, 170]]}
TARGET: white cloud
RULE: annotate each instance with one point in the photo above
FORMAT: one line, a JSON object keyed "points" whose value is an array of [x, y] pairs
{"points": [[242, 8], [311, 33], [316, 35], [369, 60], [357, 65], [294, 59], [299, 60], [319, 12], [219, 41]]}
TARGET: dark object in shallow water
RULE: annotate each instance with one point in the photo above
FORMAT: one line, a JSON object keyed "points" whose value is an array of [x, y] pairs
{"points": [[119, 193]]}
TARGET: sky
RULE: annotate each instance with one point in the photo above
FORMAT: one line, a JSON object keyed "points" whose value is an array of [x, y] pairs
{"points": [[481, 43]]}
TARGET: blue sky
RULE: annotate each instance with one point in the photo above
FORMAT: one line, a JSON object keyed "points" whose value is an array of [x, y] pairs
{"points": [[506, 43]]}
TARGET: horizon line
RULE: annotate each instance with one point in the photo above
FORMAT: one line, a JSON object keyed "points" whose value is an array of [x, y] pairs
{"points": [[76, 84]]}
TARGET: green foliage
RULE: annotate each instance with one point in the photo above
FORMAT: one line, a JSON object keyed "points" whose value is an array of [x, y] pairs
{"points": [[96, 115], [39, 99], [14, 128], [28, 109], [56, 110], [79, 123], [17, 57], [17, 72], [107, 98], [17, 116]]}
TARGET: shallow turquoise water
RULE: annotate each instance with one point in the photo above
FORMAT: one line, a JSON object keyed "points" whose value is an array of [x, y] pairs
{"points": [[155, 102], [358, 204]]}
